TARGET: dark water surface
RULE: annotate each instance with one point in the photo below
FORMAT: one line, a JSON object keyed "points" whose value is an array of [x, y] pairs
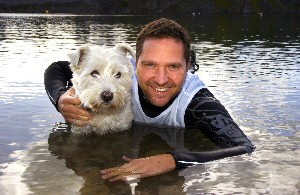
{"points": [[250, 62]]}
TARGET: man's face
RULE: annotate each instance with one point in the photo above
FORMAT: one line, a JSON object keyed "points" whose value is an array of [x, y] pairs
{"points": [[161, 70]]}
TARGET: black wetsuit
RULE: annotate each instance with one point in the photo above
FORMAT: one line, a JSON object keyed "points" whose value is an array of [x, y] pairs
{"points": [[204, 112]]}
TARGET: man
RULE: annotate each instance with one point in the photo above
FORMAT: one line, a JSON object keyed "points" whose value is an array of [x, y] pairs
{"points": [[165, 92]]}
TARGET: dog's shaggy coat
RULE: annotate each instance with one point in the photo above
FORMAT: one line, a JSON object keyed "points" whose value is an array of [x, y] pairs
{"points": [[102, 78]]}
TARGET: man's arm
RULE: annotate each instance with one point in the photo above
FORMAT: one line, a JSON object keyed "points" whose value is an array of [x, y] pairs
{"points": [[208, 115], [57, 80]]}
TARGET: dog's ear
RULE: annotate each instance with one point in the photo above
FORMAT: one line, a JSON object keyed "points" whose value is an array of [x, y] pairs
{"points": [[77, 58], [125, 48]]}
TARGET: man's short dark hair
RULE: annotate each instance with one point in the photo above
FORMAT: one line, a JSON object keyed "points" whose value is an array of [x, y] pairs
{"points": [[163, 28]]}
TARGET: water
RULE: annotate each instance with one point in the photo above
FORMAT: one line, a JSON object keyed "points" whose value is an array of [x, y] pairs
{"points": [[251, 64]]}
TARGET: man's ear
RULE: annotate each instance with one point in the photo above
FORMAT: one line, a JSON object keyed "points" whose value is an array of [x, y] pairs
{"points": [[193, 66], [78, 57], [188, 66]]}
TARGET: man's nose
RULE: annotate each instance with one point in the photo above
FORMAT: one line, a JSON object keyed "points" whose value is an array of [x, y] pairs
{"points": [[161, 77]]}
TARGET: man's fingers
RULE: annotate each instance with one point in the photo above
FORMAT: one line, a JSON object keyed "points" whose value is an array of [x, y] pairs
{"points": [[75, 122], [118, 173], [67, 99], [111, 173], [69, 107], [76, 100], [77, 116], [119, 177], [109, 170], [71, 111], [71, 91]]}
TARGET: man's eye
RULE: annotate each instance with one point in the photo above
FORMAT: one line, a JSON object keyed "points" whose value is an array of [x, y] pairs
{"points": [[95, 73], [118, 75], [150, 65], [174, 66]]}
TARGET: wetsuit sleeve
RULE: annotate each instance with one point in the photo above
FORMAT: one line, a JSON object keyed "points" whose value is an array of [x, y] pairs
{"points": [[57, 80], [206, 114]]}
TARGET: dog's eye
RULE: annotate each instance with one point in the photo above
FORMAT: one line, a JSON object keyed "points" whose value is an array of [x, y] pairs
{"points": [[118, 75], [95, 73]]}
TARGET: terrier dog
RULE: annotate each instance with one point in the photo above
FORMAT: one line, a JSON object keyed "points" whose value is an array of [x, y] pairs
{"points": [[102, 78]]}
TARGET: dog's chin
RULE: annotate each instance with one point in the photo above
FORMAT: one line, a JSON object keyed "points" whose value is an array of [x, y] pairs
{"points": [[104, 107]]}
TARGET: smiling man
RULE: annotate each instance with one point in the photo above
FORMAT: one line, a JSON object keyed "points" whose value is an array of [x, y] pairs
{"points": [[165, 92], [163, 75], [163, 85]]}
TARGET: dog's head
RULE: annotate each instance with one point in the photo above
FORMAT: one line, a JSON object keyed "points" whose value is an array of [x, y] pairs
{"points": [[102, 76]]}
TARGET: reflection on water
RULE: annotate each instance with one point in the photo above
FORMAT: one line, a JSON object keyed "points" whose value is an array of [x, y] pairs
{"points": [[79, 158], [250, 63]]}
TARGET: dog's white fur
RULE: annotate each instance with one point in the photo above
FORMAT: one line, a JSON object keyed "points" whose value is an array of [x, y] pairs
{"points": [[102, 78]]}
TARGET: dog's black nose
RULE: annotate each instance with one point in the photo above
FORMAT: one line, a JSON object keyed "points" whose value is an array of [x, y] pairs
{"points": [[107, 96]]}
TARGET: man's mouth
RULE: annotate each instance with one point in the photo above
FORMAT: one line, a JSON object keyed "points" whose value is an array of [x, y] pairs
{"points": [[161, 89]]}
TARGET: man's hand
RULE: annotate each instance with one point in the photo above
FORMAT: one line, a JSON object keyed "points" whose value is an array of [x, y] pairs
{"points": [[69, 107], [142, 167]]}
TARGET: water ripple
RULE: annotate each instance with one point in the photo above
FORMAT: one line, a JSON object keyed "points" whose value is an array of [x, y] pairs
{"points": [[251, 64]]}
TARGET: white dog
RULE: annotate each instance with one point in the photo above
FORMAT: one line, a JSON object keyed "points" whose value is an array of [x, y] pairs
{"points": [[102, 78]]}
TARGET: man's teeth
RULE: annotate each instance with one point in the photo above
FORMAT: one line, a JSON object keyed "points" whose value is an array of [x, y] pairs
{"points": [[161, 89]]}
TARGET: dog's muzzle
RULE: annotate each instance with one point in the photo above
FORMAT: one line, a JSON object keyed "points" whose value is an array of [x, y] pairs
{"points": [[107, 96]]}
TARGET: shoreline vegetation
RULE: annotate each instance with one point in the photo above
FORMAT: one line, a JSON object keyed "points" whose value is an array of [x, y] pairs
{"points": [[135, 7]]}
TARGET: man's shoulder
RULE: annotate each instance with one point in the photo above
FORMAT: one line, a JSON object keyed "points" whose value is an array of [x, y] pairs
{"points": [[202, 97], [63, 63], [203, 93]]}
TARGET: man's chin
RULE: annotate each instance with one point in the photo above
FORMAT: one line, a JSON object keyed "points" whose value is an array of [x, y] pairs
{"points": [[159, 103]]}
